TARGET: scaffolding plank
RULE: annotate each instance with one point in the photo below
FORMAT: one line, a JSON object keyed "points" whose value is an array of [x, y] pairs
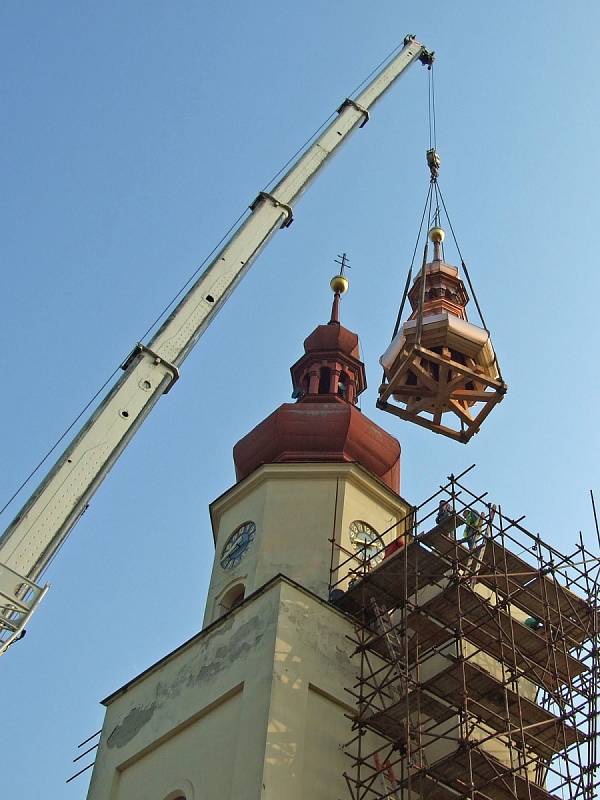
{"points": [[458, 607], [491, 778], [390, 722], [399, 575], [539, 595], [440, 593], [429, 556], [489, 700], [396, 578]]}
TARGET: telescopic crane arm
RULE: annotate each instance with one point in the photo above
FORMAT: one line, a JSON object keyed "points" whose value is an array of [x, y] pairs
{"points": [[39, 529]]}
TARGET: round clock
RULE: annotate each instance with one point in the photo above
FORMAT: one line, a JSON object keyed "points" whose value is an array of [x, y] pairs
{"points": [[367, 542], [236, 546]]}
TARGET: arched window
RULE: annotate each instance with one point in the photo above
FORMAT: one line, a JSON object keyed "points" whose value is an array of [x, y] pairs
{"points": [[232, 598], [185, 792], [324, 380]]}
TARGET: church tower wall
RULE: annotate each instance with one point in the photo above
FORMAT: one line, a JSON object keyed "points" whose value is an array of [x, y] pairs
{"points": [[296, 509], [253, 707]]}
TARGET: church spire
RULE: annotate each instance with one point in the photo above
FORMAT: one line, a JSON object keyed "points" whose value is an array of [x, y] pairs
{"points": [[324, 423], [330, 369], [339, 285]]}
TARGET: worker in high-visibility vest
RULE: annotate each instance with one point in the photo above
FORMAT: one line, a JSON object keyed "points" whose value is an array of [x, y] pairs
{"points": [[474, 522]]}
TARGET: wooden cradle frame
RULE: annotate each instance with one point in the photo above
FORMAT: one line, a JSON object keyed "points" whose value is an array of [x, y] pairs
{"points": [[469, 406]]}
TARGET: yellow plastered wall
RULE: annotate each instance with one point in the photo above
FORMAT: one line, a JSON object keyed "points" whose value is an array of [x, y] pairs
{"points": [[254, 708], [312, 667], [214, 692], [175, 765], [297, 508]]}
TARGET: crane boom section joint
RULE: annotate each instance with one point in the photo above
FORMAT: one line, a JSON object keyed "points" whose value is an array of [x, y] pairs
{"points": [[141, 348], [289, 215], [352, 103]]}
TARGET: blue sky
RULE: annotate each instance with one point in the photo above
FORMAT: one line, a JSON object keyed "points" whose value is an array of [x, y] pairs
{"points": [[132, 135]]}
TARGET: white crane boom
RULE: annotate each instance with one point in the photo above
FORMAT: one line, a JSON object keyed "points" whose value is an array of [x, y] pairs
{"points": [[46, 519]]}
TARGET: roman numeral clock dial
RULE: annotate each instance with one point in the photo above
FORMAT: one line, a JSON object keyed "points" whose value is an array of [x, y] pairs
{"points": [[236, 546]]}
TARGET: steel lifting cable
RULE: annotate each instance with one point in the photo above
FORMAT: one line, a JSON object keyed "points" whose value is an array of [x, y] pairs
{"points": [[431, 111], [410, 269], [468, 277], [423, 273], [434, 166], [435, 188], [428, 204], [57, 442], [412, 261]]}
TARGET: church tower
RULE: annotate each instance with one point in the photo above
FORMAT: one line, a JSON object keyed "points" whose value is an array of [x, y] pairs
{"points": [[255, 705], [357, 646]]}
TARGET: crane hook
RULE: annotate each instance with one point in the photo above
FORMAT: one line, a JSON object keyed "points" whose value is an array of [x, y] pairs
{"points": [[434, 162]]}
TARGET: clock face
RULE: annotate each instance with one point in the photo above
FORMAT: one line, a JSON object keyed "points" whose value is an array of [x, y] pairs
{"points": [[236, 546], [366, 542]]}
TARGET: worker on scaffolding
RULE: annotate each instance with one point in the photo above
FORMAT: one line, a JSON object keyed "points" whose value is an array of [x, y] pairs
{"points": [[444, 512], [534, 623], [474, 523]]}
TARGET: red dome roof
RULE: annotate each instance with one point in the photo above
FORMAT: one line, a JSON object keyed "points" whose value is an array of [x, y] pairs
{"points": [[324, 425], [332, 336], [319, 429]]}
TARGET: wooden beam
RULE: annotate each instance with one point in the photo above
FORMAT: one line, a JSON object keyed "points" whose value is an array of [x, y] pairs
{"points": [[456, 382], [461, 413], [487, 408], [424, 423], [469, 394], [444, 371], [420, 405], [460, 368], [413, 391], [425, 376], [397, 372]]}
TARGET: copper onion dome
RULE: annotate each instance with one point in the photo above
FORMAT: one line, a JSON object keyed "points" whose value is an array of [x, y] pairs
{"points": [[324, 424]]}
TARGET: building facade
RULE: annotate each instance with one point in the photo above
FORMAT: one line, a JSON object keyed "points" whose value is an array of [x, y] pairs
{"points": [[255, 705], [356, 646]]}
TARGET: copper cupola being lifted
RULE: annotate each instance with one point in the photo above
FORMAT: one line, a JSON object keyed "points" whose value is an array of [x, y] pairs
{"points": [[440, 369]]}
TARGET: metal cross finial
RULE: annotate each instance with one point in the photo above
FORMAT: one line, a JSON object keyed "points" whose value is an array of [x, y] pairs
{"points": [[343, 261]]}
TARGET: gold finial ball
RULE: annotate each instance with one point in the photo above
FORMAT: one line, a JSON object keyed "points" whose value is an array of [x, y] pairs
{"points": [[339, 284], [437, 234]]}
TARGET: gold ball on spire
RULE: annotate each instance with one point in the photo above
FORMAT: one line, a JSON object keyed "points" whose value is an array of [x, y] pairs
{"points": [[339, 284], [437, 234]]}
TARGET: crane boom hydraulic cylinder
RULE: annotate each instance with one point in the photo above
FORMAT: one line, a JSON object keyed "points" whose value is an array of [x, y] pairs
{"points": [[39, 529]]}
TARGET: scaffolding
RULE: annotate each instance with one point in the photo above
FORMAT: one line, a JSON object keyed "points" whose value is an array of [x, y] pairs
{"points": [[476, 646]]}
